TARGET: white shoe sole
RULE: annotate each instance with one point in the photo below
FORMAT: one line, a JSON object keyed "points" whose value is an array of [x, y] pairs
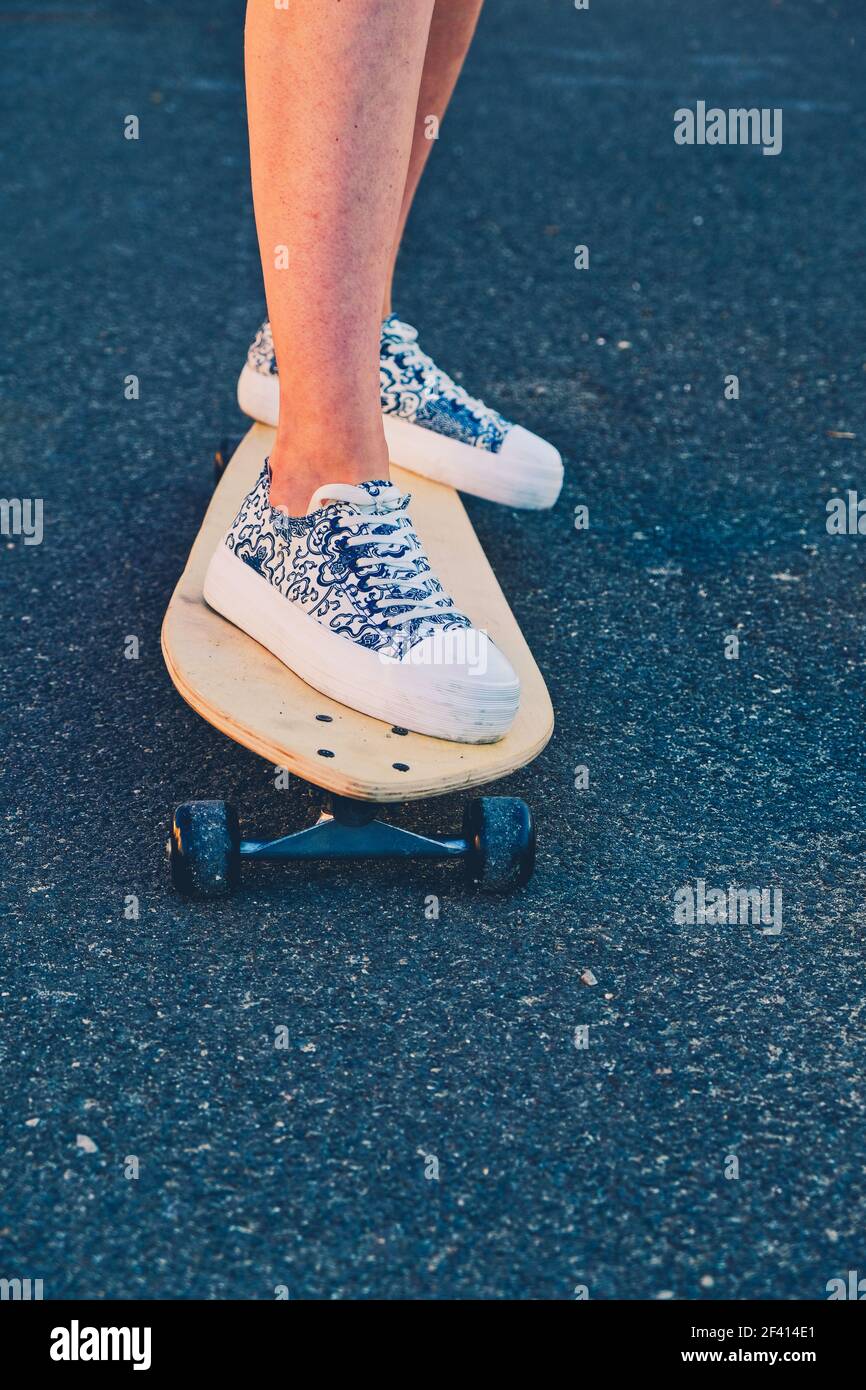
{"points": [[466, 701], [527, 471]]}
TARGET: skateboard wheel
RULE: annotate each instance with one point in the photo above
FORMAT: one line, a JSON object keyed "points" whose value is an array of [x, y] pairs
{"points": [[500, 843], [204, 847]]}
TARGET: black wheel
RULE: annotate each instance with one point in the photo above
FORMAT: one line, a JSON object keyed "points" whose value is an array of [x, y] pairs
{"points": [[500, 835], [204, 848]]}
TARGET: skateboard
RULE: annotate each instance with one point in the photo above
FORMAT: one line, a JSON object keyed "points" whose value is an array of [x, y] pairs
{"points": [[360, 763]]}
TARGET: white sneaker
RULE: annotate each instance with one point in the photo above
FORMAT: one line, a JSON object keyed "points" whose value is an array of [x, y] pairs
{"points": [[345, 597], [432, 425]]}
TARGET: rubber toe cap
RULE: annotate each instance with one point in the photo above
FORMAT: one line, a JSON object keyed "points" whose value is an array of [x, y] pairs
{"points": [[471, 682], [540, 464]]}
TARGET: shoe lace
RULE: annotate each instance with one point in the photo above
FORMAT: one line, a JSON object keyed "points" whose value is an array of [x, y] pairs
{"points": [[404, 340], [392, 556]]}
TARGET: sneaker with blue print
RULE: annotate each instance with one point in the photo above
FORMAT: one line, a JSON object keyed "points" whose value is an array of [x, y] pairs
{"points": [[346, 598], [432, 425]]}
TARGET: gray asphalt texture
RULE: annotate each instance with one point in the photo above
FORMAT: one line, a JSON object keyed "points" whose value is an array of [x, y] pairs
{"points": [[407, 1036]]}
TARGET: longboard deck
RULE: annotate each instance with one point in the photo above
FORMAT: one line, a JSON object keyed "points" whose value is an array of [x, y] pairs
{"points": [[246, 693]]}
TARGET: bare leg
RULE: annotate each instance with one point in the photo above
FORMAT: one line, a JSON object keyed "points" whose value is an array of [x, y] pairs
{"points": [[451, 34], [332, 91]]}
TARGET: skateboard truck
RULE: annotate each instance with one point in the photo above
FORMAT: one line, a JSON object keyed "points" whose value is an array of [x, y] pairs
{"points": [[206, 849]]}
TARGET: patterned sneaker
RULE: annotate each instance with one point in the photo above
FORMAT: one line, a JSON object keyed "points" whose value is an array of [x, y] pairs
{"points": [[432, 425], [346, 598]]}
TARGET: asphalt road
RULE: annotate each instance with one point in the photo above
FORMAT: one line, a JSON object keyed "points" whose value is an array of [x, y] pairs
{"points": [[607, 1166]]}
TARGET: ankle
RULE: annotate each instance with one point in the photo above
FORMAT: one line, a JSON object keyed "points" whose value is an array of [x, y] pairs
{"points": [[296, 472]]}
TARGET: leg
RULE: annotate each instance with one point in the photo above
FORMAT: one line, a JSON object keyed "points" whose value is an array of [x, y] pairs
{"points": [[328, 173], [451, 34], [350, 603], [332, 90]]}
